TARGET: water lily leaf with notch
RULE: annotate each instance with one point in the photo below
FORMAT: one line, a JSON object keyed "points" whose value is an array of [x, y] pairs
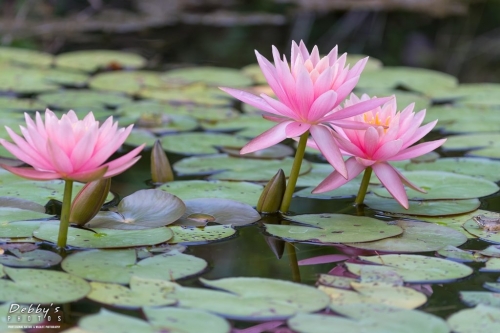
{"points": [[214, 76], [93, 60], [444, 185], [491, 251], [454, 253], [25, 56], [34, 258], [42, 286], [488, 236], [491, 152], [478, 167], [76, 99], [118, 266], [333, 228], [143, 209], [492, 265], [472, 298], [198, 94], [197, 236], [245, 192], [100, 238], [422, 208], [416, 237], [199, 143], [469, 320], [417, 269], [130, 82], [201, 211]]}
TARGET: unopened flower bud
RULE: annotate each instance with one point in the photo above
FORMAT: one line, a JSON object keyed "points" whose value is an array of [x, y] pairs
{"points": [[161, 171], [88, 202], [272, 195]]}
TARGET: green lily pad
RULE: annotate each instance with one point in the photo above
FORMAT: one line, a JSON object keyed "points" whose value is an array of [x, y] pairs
{"points": [[416, 237], [245, 192], [415, 268], [197, 94], [142, 292], [444, 185], [491, 251], [76, 99], [333, 228], [488, 236], [254, 72], [414, 79], [492, 265], [143, 209], [469, 320], [25, 56], [197, 236], [472, 141], [101, 238], [20, 229], [29, 285], [248, 126], [215, 76], [422, 208], [24, 81], [345, 191], [491, 152], [201, 211], [453, 253], [138, 137], [35, 258], [492, 286], [118, 266], [477, 167], [319, 171], [473, 298], [130, 82], [161, 123], [20, 104], [199, 143], [278, 151], [93, 60], [335, 281]]}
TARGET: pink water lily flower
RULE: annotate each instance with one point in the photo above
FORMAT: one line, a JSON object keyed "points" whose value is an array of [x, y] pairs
{"points": [[308, 92], [390, 137], [69, 148]]}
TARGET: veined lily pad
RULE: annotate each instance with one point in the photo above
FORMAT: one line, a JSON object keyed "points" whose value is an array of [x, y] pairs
{"points": [[489, 236], [423, 208], [333, 228], [444, 185], [26, 56], [248, 193], [215, 76], [417, 269], [143, 209], [101, 238], [416, 237], [196, 236], [30, 285], [35, 258], [199, 143], [469, 320], [75, 99], [118, 266], [201, 211], [472, 298], [478, 167], [130, 82], [92, 60]]}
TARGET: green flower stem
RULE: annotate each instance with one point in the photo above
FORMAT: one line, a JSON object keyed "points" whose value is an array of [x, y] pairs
{"points": [[294, 174], [294, 264], [363, 187], [66, 207]]}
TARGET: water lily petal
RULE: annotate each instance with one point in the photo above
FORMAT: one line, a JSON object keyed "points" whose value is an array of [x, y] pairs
{"points": [[31, 173], [322, 105], [418, 150], [335, 179], [390, 178], [356, 109], [296, 129], [248, 98], [269, 138], [328, 147], [387, 150]]}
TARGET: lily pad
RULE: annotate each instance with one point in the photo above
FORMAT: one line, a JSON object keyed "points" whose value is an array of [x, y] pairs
{"points": [[278, 151], [245, 192], [197, 236], [335, 281], [417, 269], [492, 265], [87, 99], [333, 228], [493, 286], [143, 209], [201, 211], [20, 104], [215, 76], [423, 208], [160, 123], [472, 298], [472, 141], [416, 237], [453, 253], [29, 285], [491, 251], [444, 185], [248, 126], [199, 143], [194, 94], [93, 60], [100, 238], [469, 320], [488, 236], [345, 191], [25, 56], [130, 82], [34, 258], [118, 266], [20, 229]]}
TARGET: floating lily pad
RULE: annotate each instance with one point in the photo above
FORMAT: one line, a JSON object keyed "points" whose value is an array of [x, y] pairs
{"points": [[416, 237], [465, 119], [24, 81], [20, 229], [333, 228], [492, 152], [473, 298], [34, 258], [201, 211], [488, 236], [423, 208], [197, 236], [101, 238], [493, 286], [93, 60], [472, 141], [417, 269], [199, 143], [345, 191], [215, 76], [130, 82], [254, 72], [28, 285], [138, 137], [248, 126], [160, 123], [491, 251], [469, 320], [245, 192], [25, 56], [197, 94], [87, 99], [444, 185], [478, 167], [492, 265], [143, 209], [453, 253], [278, 151], [334, 281], [20, 104], [319, 171], [118, 266]]}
